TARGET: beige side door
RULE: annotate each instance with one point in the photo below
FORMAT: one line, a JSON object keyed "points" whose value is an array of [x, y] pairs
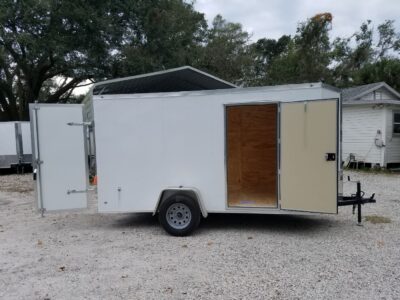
{"points": [[308, 162]]}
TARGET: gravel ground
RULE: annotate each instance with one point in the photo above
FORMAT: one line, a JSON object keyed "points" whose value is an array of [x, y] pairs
{"points": [[85, 255]]}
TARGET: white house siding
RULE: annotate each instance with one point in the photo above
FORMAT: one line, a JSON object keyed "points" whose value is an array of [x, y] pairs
{"points": [[359, 129], [392, 142]]}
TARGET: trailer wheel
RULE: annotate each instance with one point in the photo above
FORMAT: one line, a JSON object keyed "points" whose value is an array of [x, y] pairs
{"points": [[179, 215]]}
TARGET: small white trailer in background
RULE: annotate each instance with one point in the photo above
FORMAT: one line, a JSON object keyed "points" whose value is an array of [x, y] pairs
{"points": [[183, 155], [15, 144]]}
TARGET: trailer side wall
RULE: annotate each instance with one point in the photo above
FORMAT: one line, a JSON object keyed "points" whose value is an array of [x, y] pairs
{"points": [[147, 143]]}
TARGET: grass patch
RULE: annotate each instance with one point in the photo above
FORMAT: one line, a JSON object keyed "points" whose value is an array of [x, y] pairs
{"points": [[377, 219]]}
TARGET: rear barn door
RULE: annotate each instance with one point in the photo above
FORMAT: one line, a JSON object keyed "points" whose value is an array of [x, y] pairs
{"points": [[308, 178], [59, 156]]}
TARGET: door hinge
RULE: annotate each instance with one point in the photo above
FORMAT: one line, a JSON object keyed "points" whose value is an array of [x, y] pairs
{"points": [[36, 105]]}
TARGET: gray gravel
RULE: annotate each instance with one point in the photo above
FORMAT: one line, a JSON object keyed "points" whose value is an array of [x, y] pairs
{"points": [[85, 255]]}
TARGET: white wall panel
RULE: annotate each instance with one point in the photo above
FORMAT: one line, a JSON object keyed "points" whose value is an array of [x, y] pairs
{"points": [[7, 138], [147, 143]]}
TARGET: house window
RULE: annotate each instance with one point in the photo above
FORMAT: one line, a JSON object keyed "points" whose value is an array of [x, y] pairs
{"points": [[396, 123]]}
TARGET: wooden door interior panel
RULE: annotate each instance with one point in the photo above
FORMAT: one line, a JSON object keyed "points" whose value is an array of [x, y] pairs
{"points": [[252, 155]]}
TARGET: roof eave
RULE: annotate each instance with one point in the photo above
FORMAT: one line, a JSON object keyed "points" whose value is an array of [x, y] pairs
{"points": [[380, 85], [360, 102]]}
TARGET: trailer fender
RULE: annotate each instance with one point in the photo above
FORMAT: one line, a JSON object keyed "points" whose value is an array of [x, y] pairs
{"points": [[190, 191]]}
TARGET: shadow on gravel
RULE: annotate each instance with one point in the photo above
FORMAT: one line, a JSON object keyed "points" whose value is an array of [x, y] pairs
{"points": [[238, 222], [272, 223], [13, 171], [136, 220]]}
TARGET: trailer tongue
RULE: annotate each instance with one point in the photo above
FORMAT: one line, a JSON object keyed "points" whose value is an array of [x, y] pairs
{"points": [[356, 200]]}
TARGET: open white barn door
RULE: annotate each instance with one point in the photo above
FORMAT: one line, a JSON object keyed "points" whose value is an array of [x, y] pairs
{"points": [[309, 137], [59, 156]]}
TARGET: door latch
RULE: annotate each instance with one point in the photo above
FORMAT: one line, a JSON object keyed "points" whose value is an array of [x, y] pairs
{"points": [[330, 156]]}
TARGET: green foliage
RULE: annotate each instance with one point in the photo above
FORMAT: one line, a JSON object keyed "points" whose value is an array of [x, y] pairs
{"points": [[49, 47], [389, 40], [265, 51], [310, 56], [42, 41], [353, 63], [171, 34], [306, 57], [226, 52], [387, 69]]}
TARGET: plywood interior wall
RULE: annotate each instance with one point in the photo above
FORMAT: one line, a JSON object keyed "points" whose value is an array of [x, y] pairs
{"points": [[252, 155]]}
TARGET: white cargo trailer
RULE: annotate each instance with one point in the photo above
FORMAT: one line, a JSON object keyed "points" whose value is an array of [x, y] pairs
{"points": [[15, 144], [184, 155]]}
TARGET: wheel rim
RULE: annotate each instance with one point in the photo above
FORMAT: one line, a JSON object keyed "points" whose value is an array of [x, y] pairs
{"points": [[179, 216]]}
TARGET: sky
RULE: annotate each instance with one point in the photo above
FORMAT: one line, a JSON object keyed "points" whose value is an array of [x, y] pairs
{"points": [[273, 18]]}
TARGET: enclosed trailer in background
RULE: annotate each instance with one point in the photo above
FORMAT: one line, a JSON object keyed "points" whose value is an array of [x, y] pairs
{"points": [[15, 144]]}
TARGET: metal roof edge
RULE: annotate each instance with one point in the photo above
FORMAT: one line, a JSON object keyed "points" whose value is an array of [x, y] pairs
{"points": [[211, 76], [161, 73], [330, 87]]}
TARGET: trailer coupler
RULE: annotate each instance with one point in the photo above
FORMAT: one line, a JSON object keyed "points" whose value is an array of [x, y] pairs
{"points": [[356, 200]]}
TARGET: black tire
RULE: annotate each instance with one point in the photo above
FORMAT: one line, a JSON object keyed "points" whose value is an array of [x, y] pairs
{"points": [[179, 215]]}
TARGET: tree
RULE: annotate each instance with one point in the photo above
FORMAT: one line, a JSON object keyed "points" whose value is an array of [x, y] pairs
{"points": [[49, 47], [226, 52], [40, 40], [388, 41], [77, 40], [265, 51], [306, 57], [171, 35], [310, 56], [352, 62], [387, 69], [349, 59]]}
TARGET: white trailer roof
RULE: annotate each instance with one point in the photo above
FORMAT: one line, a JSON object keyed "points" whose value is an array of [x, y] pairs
{"points": [[288, 92]]}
